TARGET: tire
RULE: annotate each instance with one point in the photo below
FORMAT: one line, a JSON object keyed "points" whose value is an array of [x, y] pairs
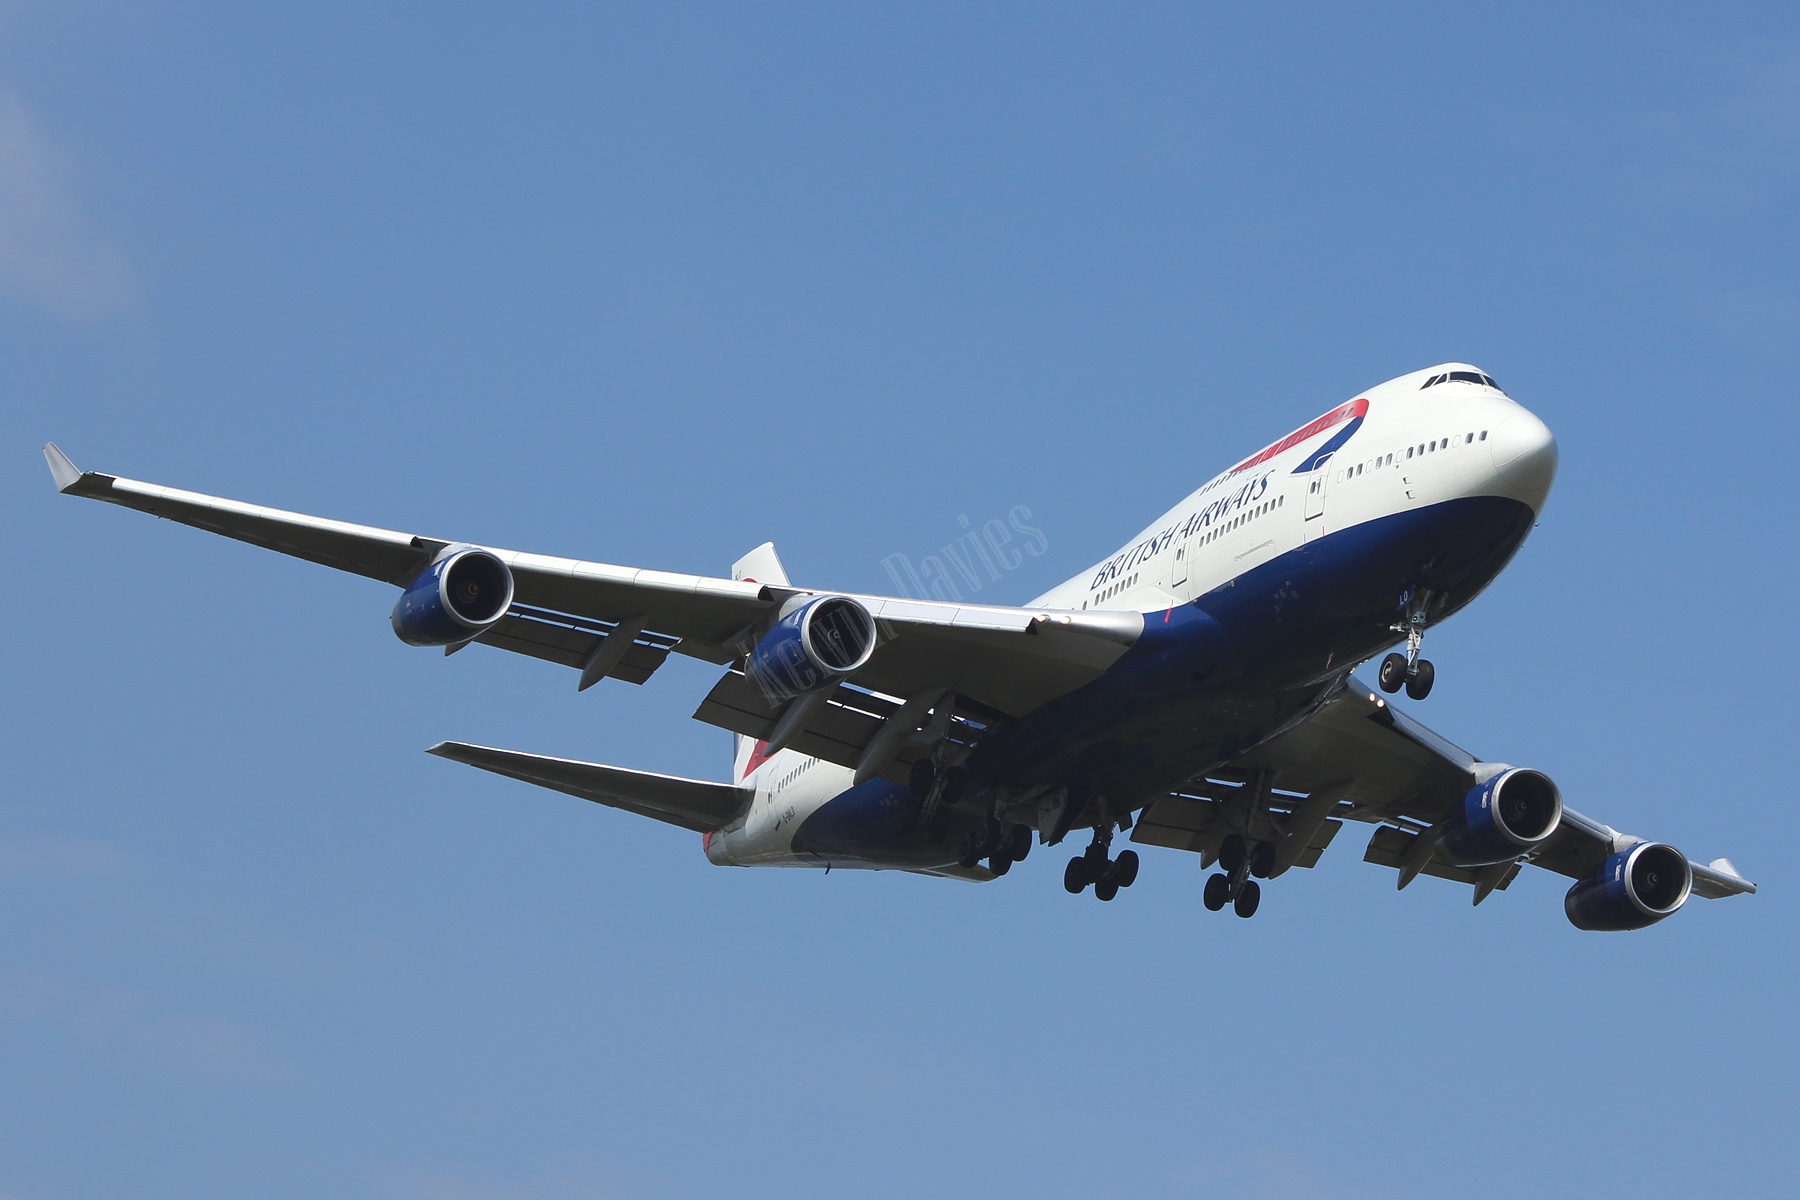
{"points": [[1232, 852], [1125, 868], [1419, 686], [999, 864], [1248, 897], [1075, 876], [1018, 843], [968, 851], [1106, 889], [1217, 894], [1393, 673], [1262, 859], [921, 778]]}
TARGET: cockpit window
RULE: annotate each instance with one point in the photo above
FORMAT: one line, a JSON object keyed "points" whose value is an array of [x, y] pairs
{"points": [[1461, 377]]}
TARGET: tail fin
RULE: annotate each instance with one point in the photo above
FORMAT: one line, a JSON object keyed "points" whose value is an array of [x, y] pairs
{"points": [[750, 755], [761, 565]]}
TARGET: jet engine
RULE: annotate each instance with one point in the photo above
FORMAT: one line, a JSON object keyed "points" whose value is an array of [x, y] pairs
{"points": [[455, 599], [1501, 819], [1634, 888], [814, 645]]}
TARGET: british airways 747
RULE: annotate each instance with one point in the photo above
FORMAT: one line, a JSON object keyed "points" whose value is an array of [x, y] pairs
{"points": [[1194, 690]]}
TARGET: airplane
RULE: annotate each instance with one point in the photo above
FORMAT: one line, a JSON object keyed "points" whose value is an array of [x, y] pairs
{"points": [[1195, 689]]}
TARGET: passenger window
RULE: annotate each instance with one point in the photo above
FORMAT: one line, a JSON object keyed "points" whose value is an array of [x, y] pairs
{"points": [[1484, 435], [1467, 438]]}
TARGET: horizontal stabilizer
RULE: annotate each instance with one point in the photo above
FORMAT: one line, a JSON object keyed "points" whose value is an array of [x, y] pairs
{"points": [[690, 803]]}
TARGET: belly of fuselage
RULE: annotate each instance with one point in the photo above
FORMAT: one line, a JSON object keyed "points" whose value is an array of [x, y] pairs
{"points": [[1212, 679]]}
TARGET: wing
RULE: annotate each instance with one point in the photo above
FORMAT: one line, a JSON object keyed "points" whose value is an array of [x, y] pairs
{"points": [[1009, 660], [690, 803], [1355, 757]]}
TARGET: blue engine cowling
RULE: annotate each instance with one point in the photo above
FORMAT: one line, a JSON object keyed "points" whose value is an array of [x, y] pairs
{"points": [[453, 600], [1501, 819], [1634, 888], [814, 645]]}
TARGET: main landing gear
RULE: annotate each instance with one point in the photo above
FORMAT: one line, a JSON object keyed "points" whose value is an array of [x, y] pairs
{"points": [[1107, 875], [1000, 845], [1241, 859], [1415, 673], [938, 792]]}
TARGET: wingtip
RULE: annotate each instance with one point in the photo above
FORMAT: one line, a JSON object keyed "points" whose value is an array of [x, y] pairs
{"points": [[66, 474], [1724, 867]]}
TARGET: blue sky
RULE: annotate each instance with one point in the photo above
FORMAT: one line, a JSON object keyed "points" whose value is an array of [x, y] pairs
{"points": [[652, 285]]}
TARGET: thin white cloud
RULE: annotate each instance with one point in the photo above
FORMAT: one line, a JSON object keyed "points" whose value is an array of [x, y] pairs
{"points": [[52, 256]]}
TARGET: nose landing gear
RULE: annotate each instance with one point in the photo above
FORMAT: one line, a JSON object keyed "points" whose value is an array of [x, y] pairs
{"points": [[1415, 673]]}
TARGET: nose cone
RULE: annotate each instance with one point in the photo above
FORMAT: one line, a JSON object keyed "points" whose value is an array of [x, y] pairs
{"points": [[1524, 453]]}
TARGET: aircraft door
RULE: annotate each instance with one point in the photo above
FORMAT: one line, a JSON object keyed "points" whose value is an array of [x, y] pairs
{"points": [[1315, 499], [1178, 565]]}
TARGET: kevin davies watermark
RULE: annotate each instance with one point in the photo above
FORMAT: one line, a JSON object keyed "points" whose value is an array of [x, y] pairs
{"points": [[981, 555]]}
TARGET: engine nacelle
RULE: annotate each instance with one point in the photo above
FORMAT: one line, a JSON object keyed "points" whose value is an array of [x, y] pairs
{"points": [[813, 646], [455, 598], [1634, 888], [1501, 819]]}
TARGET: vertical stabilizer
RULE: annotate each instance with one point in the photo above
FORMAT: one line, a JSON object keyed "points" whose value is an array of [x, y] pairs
{"points": [[750, 755], [761, 565]]}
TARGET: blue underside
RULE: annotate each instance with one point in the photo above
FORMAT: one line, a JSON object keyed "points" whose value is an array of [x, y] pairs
{"points": [[1211, 679]]}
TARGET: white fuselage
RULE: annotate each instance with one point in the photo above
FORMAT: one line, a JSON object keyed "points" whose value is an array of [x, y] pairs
{"points": [[1399, 446]]}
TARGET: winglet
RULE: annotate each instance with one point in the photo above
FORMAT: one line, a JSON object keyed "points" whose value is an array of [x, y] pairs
{"points": [[61, 469], [1718, 879]]}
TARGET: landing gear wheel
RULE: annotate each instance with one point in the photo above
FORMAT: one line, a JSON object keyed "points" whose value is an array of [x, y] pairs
{"points": [[1075, 876], [1247, 899], [1018, 843], [1106, 889], [999, 864], [1419, 686], [1125, 868], [1393, 673], [968, 851], [1217, 894], [1262, 859], [1232, 852]]}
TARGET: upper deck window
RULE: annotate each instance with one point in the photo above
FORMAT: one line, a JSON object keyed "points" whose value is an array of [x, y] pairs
{"points": [[1461, 377]]}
